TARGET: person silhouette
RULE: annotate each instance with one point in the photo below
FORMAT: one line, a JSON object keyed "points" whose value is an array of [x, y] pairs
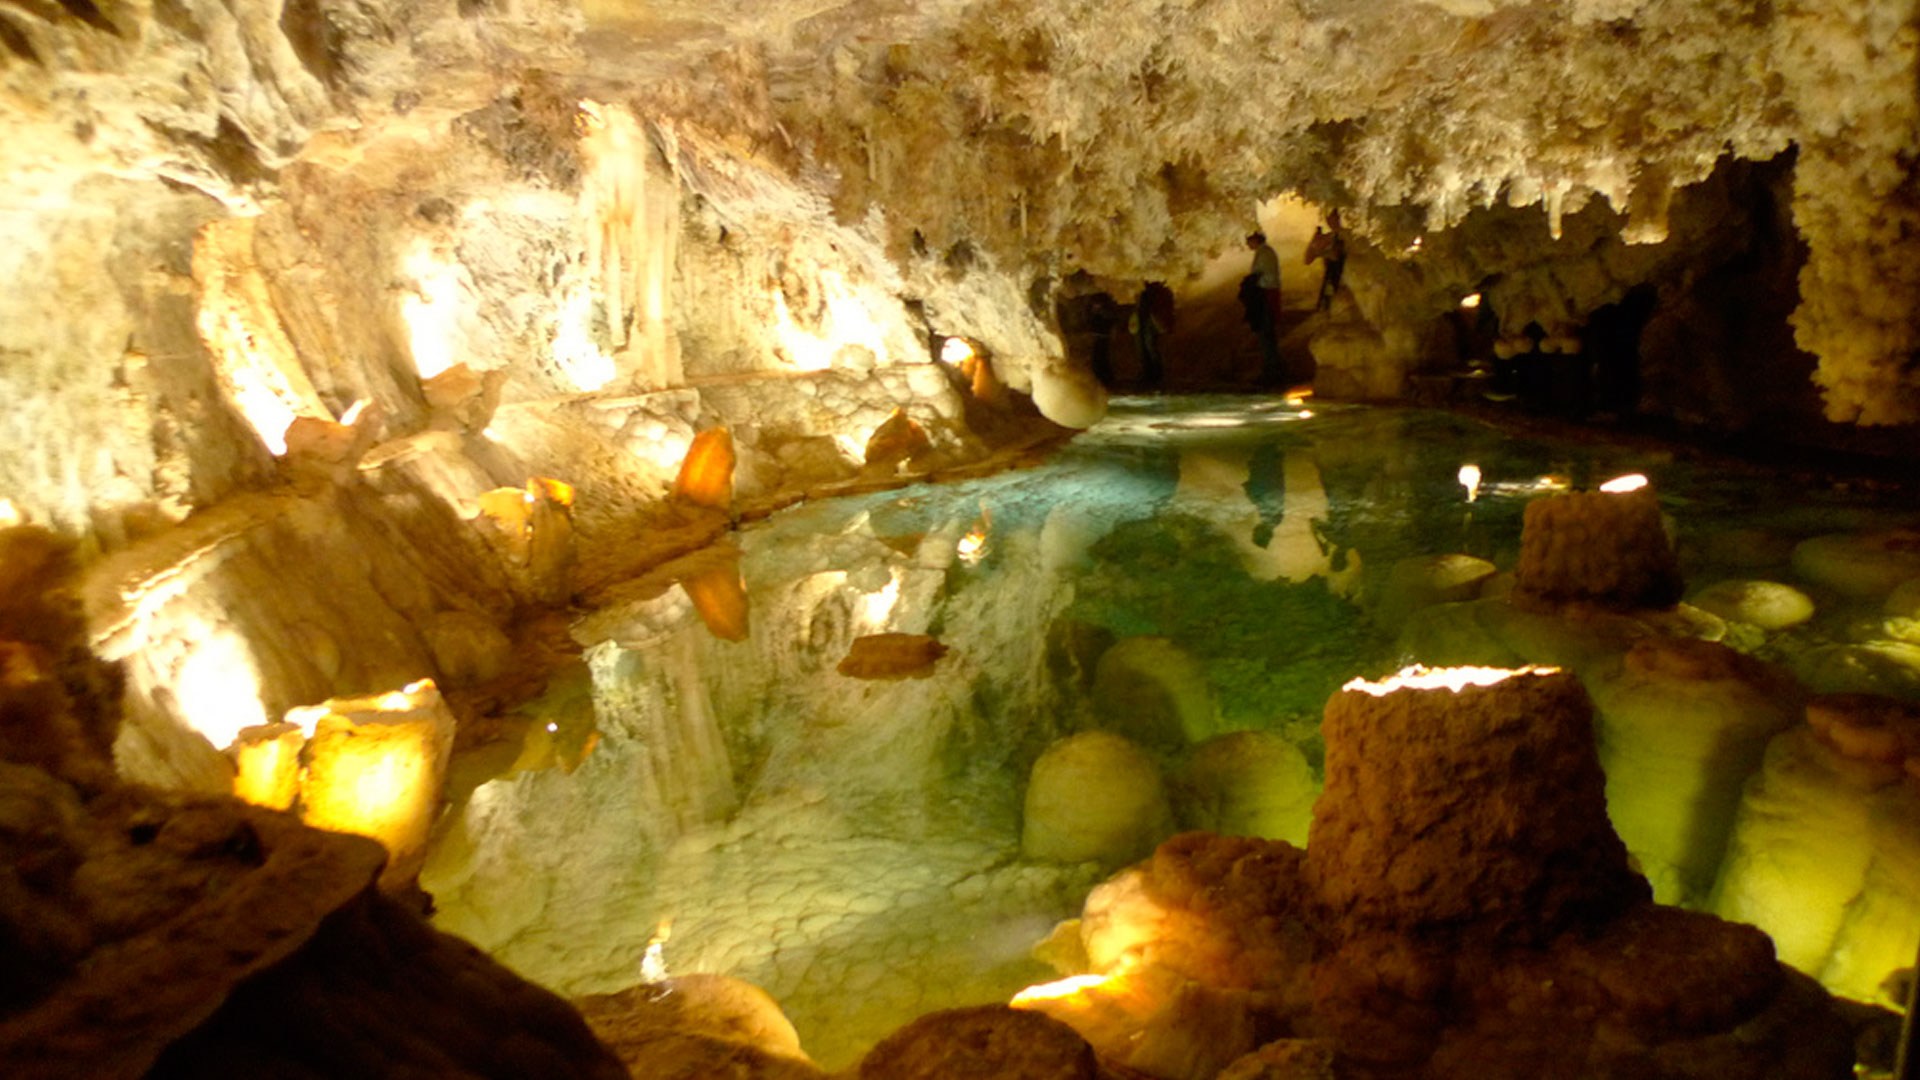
{"points": [[1263, 306], [1152, 318], [1329, 244]]}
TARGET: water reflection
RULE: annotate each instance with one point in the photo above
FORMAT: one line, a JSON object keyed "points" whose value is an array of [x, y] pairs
{"points": [[1206, 568], [1280, 533]]}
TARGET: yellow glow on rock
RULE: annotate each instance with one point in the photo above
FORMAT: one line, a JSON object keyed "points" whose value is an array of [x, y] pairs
{"points": [[267, 765], [1420, 677], [1622, 484], [375, 767]]}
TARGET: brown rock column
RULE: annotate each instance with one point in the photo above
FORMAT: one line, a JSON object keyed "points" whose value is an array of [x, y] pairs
{"points": [[1604, 547], [1480, 809]]}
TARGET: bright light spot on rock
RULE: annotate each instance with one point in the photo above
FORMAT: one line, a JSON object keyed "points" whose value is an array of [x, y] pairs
{"points": [[575, 352], [669, 453], [1420, 677], [1060, 988], [306, 717], [1298, 397], [1622, 484], [1470, 479], [257, 365], [845, 323], [354, 410], [553, 727], [955, 351], [1470, 301], [852, 448], [653, 965], [269, 416], [878, 605], [10, 514], [219, 690], [431, 309]]}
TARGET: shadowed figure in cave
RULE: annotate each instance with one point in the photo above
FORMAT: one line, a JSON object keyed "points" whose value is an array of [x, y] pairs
{"points": [[1330, 245], [1102, 314], [1613, 340], [1260, 296], [1152, 318]]}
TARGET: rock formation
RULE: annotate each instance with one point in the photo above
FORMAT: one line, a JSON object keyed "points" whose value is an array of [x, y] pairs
{"points": [[1463, 909]]}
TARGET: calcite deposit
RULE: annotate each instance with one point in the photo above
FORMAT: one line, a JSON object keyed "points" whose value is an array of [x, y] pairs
{"points": [[1463, 909]]}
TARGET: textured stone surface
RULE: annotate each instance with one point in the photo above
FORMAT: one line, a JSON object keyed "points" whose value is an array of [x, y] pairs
{"points": [[1403, 837], [1604, 548], [1517, 946], [986, 1041]]}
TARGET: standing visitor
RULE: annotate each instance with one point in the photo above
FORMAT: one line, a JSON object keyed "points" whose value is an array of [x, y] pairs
{"points": [[1264, 313], [1330, 244], [1152, 318]]}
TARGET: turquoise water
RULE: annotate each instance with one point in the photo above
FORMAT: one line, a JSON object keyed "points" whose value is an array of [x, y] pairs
{"points": [[855, 846]]}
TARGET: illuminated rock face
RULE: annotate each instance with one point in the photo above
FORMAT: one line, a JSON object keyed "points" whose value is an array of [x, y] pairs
{"points": [[1682, 725], [376, 767], [172, 934], [1823, 856]]}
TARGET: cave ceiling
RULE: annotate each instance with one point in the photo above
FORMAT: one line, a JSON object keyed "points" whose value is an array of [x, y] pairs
{"points": [[1127, 137]]}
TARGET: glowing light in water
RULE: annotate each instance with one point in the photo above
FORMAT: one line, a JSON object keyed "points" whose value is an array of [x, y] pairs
{"points": [[1420, 677], [973, 546], [1622, 484], [1470, 301], [1470, 479]]}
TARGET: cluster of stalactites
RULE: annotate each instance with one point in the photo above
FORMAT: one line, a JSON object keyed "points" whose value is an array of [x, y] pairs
{"points": [[1127, 140]]}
